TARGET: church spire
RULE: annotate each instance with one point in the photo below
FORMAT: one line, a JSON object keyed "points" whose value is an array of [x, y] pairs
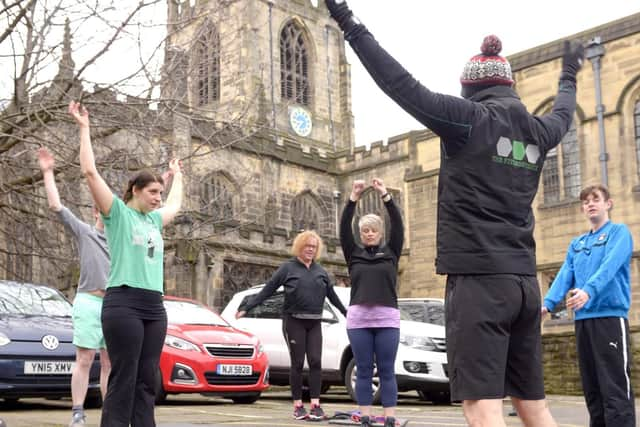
{"points": [[66, 66]]}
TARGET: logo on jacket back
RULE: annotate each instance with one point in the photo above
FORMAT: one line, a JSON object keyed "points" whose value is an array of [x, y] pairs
{"points": [[517, 154]]}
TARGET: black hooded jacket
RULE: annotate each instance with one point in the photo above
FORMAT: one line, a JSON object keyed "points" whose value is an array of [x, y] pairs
{"points": [[305, 290], [492, 153]]}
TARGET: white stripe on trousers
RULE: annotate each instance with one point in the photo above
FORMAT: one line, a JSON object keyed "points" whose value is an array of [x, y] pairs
{"points": [[624, 355]]}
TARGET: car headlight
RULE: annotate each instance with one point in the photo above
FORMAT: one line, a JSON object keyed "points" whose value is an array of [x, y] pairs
{"points": [[180, 344], [418, 342], [4, 340], [259, 349]]}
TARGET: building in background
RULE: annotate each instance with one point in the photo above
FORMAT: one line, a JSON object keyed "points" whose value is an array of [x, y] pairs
{"points": [[257, 100]]}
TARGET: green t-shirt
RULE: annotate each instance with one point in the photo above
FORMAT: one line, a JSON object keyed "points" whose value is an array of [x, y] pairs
{"points": [[136, 247]]}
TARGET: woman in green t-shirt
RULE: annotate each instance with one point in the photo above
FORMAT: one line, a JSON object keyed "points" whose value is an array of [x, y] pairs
{"points": [[134, 320]]}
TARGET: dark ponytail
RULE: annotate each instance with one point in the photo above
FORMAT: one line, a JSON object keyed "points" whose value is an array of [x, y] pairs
{"points": [[140, 181]]}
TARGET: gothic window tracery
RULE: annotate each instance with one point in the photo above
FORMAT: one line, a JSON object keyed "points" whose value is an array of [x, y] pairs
{"points": [[217, 197], [304, 213], [207, 65], [294, 64]]}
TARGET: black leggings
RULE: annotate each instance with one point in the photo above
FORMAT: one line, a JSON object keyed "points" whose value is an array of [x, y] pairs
{"points": [[134, 332], [304, 336]]}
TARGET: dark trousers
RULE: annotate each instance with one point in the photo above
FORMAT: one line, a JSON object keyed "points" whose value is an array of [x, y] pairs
{"points": [[379, 345], [304, 337], [605, 357], [134, 345]]}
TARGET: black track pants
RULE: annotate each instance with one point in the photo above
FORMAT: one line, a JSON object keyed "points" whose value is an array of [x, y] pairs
{"points": [[134, 344], [605, 357]]}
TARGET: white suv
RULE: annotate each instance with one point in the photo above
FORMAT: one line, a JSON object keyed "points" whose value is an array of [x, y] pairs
{"points": [[421, 363]]}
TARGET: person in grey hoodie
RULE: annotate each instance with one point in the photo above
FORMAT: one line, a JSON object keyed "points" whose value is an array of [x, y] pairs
{"points": [[87, 304]]}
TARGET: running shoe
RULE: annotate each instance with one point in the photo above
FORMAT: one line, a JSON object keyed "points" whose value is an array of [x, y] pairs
{"points": [[316, 413], [78, 420], [365, 421], [299, 413], [390, 422]]}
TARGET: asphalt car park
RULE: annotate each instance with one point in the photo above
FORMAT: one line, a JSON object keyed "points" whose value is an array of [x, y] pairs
{"points": [[273, 409]]}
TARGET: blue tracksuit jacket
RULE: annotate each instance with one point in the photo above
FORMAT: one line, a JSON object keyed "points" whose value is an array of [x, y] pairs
{"points": [[598, 263]]}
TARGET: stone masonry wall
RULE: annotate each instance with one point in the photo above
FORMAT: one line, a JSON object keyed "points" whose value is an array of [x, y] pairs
{"points": [[561, 371]]}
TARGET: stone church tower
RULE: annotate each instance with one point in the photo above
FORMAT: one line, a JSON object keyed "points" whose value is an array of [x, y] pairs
{"points": [[277, 66], [259, 94]]}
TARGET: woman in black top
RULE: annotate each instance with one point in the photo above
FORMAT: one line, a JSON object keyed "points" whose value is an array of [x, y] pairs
{"points": [[373, 320], [306, 285]]}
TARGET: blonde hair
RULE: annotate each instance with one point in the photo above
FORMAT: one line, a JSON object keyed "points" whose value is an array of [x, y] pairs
{"points": [[372, 221], [301, 240]]}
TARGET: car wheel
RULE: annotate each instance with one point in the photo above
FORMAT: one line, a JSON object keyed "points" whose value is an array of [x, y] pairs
{"points": [[161, 395], [437, 397], [252, 398], [350, 382]]}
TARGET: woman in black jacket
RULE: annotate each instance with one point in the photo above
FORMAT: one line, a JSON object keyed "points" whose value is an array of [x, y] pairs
{"points": [[306, 285], [373, 319]]}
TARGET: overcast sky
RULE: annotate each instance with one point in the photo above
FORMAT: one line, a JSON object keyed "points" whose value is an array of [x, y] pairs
{"points": [[433, 40]]}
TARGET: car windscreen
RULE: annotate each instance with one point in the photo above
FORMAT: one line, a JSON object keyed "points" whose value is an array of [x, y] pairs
{"points": [[188, 313], [424, 311], [29, 300]]}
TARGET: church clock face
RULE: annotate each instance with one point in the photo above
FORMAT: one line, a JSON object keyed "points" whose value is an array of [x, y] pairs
{"points": [[300, 121]]}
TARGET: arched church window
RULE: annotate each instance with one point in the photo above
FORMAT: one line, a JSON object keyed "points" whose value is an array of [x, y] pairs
{"points": [[636, 122], [304, 213], [561, 175], [294, 65], [217, 197], [207, 65]]}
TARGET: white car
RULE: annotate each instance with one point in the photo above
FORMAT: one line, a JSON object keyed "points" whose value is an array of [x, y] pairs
{"points": [[427, 310], [421, 363]]}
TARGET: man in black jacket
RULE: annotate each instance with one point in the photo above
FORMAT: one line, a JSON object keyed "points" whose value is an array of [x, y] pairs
{"points": [[492, 153]]}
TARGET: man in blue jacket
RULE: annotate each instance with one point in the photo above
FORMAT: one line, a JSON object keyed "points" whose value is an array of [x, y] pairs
{"points": [[492, 154], [596, 276]]}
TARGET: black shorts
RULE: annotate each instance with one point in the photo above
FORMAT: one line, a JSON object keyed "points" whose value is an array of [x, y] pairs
{"points": [[494, 346]]}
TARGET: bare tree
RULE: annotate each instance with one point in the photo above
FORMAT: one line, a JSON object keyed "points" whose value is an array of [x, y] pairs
{"points": [[121, 60]]}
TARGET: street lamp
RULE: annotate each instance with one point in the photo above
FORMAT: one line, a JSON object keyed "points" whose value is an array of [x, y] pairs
{"points": [[594, 52]]}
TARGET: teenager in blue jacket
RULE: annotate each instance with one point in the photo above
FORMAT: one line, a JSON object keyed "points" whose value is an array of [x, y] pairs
{"points": [[596, 276]]}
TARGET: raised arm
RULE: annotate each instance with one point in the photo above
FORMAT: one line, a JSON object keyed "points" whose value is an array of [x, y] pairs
{"points": [[448, 116], [559, 120], [174, 200], [47, 163], [100, 191], [347, 241], [396, 238]]}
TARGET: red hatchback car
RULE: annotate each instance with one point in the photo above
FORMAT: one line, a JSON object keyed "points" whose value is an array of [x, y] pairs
{"points": [[202, 353]]}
